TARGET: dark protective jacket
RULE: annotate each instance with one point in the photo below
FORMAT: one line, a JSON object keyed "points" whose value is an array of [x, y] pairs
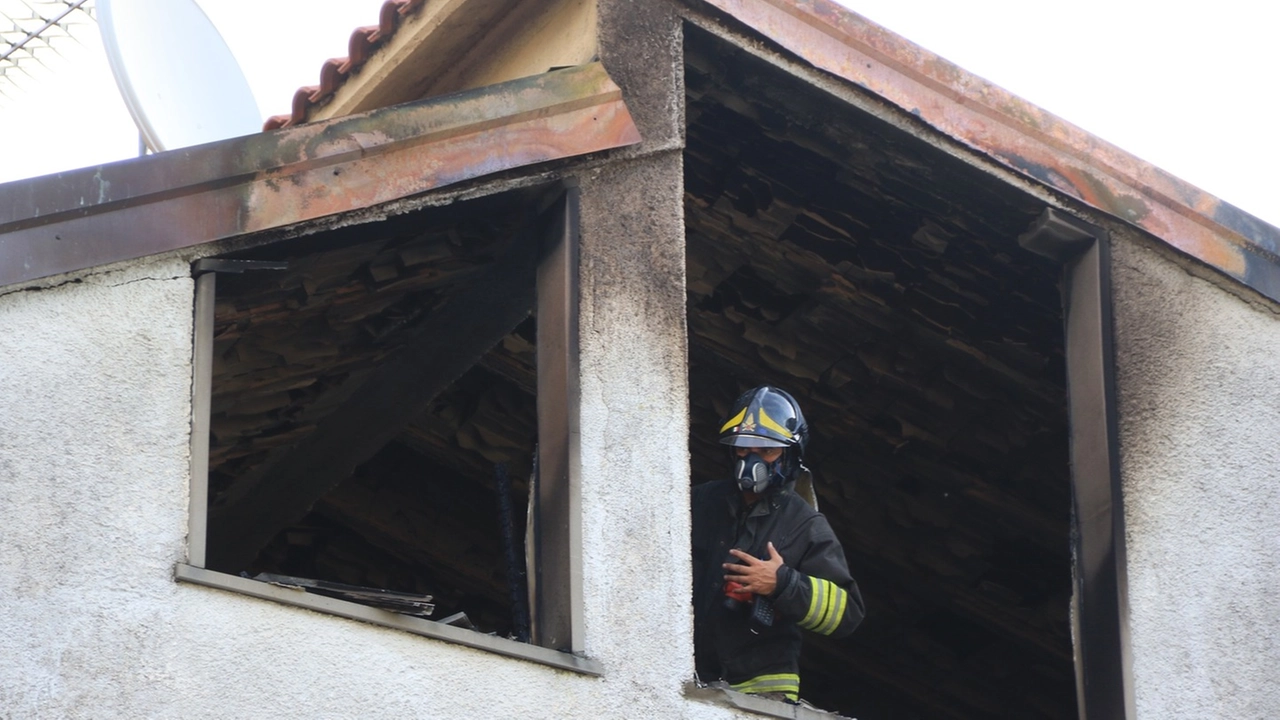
{"points": [[815, 590]]}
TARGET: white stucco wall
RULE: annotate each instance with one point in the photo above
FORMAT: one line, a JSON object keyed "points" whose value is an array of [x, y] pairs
{"points": [[94, 416], [94, 422], [1199, 391]]}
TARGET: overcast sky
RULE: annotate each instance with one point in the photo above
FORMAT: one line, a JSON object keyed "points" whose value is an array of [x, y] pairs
{"points": [[1190, 91]]}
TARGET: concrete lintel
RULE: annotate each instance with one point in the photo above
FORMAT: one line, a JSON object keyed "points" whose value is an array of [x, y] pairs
{"points": [[94, 216]]}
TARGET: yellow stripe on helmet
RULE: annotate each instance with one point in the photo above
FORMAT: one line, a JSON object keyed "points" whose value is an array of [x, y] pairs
{"points": [[772, 424], [735, 420]]}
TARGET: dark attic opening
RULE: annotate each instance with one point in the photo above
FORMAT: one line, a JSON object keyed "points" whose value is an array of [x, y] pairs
{"points": [[374, 413], [879, 280]]}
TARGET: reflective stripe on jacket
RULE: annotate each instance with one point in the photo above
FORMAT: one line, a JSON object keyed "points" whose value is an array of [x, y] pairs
{"points": [[815, 590], [785, 684]]}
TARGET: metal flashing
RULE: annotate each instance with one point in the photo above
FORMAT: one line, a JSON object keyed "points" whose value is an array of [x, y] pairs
{"points": [[1019, 135], [121, 211]]}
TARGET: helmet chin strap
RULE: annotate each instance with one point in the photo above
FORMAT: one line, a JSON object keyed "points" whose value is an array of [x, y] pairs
{"points": [[755, 475]]}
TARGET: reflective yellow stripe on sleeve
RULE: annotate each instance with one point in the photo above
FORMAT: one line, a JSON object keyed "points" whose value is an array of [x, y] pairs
{"points": [[817, 600], [838, 599], [786, 683], [826, 607], [826, 610]]}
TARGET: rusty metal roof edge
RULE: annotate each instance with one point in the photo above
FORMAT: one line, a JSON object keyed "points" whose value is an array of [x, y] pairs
{"points": [[98, 215], [42, 199], [1018, 134]]}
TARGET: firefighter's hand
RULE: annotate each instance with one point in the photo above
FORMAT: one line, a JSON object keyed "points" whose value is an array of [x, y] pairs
{"points": [[756, 575]]}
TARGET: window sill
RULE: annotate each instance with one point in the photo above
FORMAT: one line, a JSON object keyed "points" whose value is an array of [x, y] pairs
{"points": [[720, 694], [418, 626]]}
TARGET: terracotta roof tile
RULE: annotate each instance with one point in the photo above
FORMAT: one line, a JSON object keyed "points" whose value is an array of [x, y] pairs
{"points": [[335, 71]]}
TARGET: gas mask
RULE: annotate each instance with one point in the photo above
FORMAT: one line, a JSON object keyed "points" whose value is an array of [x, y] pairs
{"points": [[753, 474]]}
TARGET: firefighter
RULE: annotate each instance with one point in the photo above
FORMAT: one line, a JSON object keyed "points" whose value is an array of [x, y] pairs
{"points": [[766, 564]]}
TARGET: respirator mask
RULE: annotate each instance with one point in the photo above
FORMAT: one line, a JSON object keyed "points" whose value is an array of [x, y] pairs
{"points": [[753, 474]]}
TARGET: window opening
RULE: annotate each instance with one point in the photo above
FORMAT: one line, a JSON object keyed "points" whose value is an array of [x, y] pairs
{"points": [[374, 412], [881, 282]]}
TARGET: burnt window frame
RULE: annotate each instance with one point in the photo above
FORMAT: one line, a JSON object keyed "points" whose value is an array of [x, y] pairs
{"points": [[1100, 604], [556, 595]]}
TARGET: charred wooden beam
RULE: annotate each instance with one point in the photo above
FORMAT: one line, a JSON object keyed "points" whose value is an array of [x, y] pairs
{"points": [[442, 347], [555, 575]]}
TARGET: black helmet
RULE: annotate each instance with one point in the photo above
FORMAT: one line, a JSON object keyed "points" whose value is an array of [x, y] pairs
{"points": [[766, 417]]}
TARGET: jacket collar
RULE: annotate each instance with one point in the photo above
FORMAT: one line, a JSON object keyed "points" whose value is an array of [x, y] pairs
{"points": [[765, 505]]}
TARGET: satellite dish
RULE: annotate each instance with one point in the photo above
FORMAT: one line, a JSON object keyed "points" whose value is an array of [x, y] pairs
{"points": [[176, 74]]}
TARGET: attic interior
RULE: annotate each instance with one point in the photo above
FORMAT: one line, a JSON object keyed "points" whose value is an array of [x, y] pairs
{"points": [[405, 496], [879, 280]]}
